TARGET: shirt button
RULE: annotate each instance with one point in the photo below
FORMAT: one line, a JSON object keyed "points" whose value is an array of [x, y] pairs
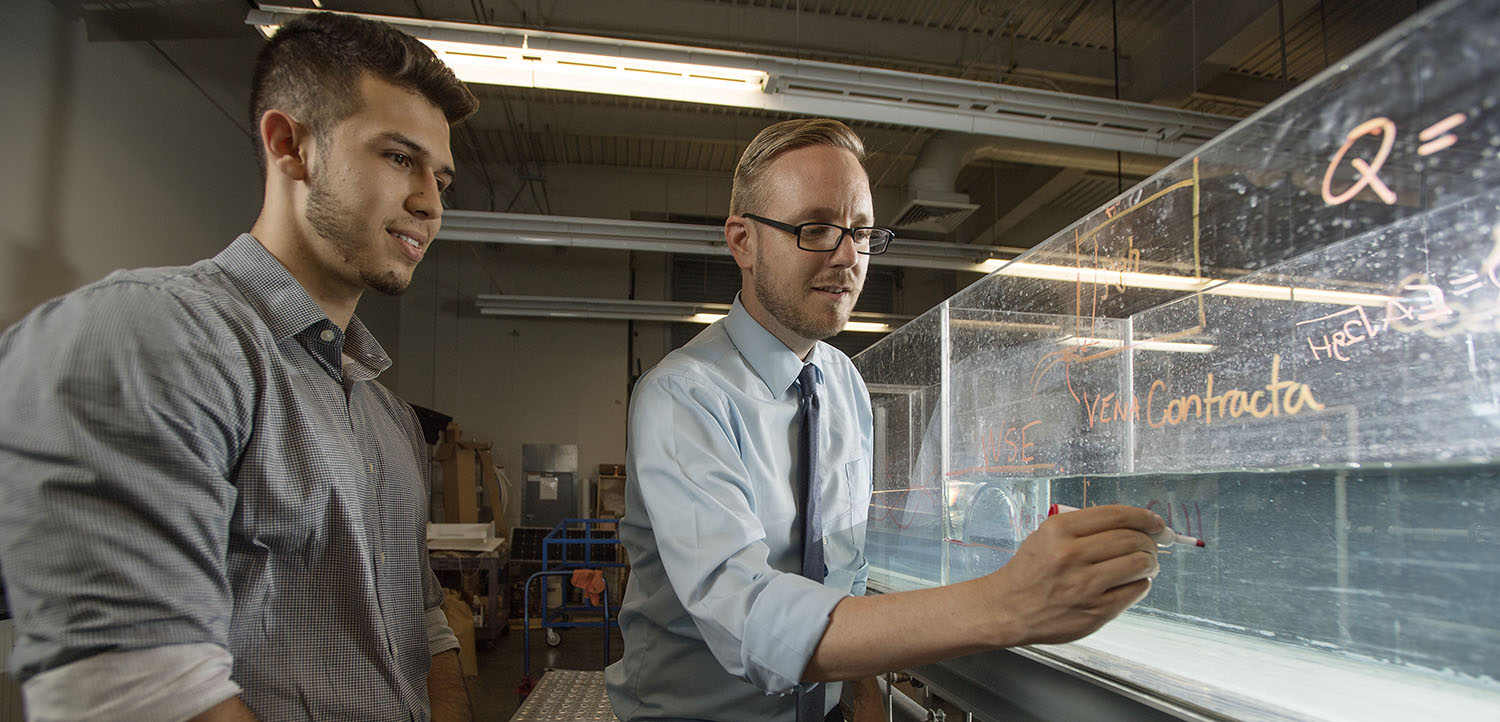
{"points": [[372, 467], [327, 335]]}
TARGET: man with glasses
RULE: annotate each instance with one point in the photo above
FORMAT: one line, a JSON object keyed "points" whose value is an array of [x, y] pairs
{"points": [[756, 436]]}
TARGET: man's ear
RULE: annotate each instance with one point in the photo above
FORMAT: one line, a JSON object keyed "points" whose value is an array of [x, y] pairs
{"points": [[741, 242], [285, 142]]}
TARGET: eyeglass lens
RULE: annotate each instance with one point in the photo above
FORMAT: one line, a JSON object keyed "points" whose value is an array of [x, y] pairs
{"points": [[822, 237]]}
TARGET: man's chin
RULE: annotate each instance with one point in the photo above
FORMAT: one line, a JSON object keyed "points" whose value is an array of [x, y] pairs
{"points": [[389, 285], [825, 331]]}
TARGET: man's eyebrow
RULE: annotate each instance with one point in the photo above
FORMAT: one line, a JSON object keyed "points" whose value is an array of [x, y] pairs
{"points": [[825, 212], [418, 150]]}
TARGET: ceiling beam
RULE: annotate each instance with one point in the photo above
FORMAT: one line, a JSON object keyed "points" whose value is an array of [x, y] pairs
{"points": [[1197, 45], [182, 22], [1061, 181], [580, 114], [623, 309], [620, 235], [1241, 87]]}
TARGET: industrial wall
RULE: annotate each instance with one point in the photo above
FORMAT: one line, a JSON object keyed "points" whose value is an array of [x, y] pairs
{"points": [[113, 160]]}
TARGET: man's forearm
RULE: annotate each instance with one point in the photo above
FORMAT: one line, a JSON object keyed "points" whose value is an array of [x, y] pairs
{"points": [[1073, 574], [446, 693], [867, 636]]}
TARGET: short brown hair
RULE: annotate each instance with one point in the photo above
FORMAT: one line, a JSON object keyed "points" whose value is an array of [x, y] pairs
{"points": [[312, 65], [748, 193]]}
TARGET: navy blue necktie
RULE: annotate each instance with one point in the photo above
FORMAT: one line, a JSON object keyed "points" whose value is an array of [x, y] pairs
{"points": [[810, 703]]}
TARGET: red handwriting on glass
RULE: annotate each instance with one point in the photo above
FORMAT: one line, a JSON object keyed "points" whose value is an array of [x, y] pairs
{"points": [[1353, 327], [1130, 262], [1111, 407], [1470, 304], [1368, 171], [1273, 399], [1191, 521], [902, 508], [1435, 138], [1007, 444]]}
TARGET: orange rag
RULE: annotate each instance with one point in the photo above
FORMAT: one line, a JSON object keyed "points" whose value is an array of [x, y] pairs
{"points": [[591, 581]]}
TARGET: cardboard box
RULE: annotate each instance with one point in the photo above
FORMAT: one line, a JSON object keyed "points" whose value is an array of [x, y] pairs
{"points": [[459, 503], [465, 464], [609, 496]]}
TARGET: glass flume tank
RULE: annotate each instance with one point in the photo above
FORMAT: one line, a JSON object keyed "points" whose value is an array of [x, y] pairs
{"points": [[1288, 345]]}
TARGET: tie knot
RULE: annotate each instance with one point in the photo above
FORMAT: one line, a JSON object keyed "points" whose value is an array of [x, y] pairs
{"points": [[806, 380]]}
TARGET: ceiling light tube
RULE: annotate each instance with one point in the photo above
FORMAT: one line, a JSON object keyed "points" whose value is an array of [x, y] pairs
{"points": [[1188, 284], [536, 59], [621, 309], [588, 73], [1173, 346]]}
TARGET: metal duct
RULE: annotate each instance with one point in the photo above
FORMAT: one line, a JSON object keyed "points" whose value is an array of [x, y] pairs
{"points": [[932, 204]]}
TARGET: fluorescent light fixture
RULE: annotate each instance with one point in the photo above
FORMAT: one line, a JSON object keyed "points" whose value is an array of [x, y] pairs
{"points": [[621, 309], [1165, 282], [570, 62], [528, 67], [861, 326], [1173, 346], [1294, 293], [609, 74], [1129, 279], [531, 67]]}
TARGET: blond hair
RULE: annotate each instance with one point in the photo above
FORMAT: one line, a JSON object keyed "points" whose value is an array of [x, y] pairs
{"points": [[748, 193]]}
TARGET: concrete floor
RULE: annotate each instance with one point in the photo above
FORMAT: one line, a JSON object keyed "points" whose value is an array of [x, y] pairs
{"points": [[493, 692]]}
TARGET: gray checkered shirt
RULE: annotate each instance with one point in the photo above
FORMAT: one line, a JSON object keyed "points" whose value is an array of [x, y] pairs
{"points": [[184, 459]]}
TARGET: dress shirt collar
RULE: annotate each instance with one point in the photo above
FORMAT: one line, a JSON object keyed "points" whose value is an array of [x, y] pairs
{"points": [[775, 364], [287, 308]]}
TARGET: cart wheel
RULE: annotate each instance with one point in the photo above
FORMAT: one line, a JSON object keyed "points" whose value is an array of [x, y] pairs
{"points": [[553, 638]]}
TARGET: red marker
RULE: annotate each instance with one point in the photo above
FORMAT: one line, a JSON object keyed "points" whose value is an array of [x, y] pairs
{"points": [[1164, 538]]}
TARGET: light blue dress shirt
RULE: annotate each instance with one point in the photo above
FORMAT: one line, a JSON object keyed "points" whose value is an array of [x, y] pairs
{"points": [[718, 623]]}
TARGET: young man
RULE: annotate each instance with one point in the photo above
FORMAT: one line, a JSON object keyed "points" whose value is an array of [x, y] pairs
{"points": [[209, 509], [728, 615]]}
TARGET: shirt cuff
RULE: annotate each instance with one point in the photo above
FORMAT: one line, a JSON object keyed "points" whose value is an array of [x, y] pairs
{"points": [[171, 683], [783, 629], [440, 637]]}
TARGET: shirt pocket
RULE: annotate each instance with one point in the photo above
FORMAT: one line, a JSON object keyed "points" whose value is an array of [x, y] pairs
{"points": [[848, 503]]}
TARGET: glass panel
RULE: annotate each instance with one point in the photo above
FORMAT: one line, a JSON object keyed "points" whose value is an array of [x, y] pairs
{"points": [[904, 538], [1287, 344]]}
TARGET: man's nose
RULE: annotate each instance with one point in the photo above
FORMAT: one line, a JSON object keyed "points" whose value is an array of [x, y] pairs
{"points": [[425, 201], [845, 254]]}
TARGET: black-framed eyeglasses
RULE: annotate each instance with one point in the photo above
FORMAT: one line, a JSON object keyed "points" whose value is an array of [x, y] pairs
{"points": [[826, 237]]}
